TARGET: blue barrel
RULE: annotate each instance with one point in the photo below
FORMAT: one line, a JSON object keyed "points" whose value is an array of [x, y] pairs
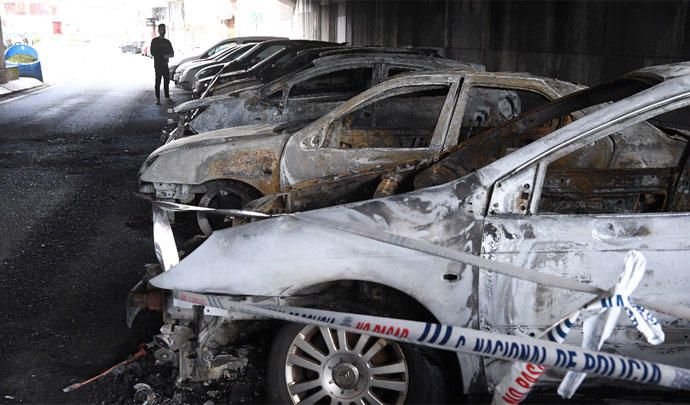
{"points": [[32, 69]]}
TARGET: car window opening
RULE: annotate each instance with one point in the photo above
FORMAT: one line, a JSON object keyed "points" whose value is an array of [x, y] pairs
{"points": [[404, 120], [494, 143]]}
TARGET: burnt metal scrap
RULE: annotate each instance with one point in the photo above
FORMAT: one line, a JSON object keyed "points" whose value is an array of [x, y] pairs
{"points": [[565, 189]]}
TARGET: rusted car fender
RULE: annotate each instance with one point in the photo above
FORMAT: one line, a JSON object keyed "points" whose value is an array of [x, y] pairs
{"points": [[250, 154]]}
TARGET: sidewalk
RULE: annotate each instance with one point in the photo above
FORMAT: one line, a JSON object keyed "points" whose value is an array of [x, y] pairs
{"points": [[23, 83]]}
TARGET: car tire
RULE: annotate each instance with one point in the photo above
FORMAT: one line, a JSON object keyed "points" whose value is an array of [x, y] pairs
{"points": [[222, 194], [424, 375]]}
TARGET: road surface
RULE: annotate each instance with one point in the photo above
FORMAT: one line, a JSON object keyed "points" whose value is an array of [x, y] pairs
{"points": [[74, 238]]}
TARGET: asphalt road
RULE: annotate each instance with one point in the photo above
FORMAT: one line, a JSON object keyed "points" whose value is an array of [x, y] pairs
{"points": [[73, 239]]}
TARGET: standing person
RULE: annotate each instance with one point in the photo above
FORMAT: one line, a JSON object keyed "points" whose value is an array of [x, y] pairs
{"points": [[162, 51]]}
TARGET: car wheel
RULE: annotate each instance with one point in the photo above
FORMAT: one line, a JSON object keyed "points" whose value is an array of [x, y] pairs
{"points": [[223, 195], [311, 364]]}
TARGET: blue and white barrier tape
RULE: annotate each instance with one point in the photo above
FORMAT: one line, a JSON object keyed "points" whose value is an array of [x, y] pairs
{"points": [[600, 317], [448, 337]]}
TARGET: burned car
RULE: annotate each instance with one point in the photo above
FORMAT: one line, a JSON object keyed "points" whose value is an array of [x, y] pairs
{"points": [[228, 82], [553, 196], [185, 72], [268, 52], [227, 74], [304, 95], [219, 46], [410, 117]]}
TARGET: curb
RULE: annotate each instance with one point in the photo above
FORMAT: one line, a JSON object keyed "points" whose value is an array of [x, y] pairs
{"points": [[21, 84]]}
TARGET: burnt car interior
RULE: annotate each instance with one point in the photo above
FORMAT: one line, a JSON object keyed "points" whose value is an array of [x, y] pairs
{"points": [[642, 168], [489, 107], [333, 86], [639, 169], [341, 84], [497, 142], [393, 122], [397, 121]]}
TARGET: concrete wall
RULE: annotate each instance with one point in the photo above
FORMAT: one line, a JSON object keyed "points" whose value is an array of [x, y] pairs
{"points": [[581, 41]]}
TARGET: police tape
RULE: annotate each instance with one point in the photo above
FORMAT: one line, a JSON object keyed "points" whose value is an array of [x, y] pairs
{"points": [[599, 316], [422, 246], [231, 212], [447, 337], [522, 376]]}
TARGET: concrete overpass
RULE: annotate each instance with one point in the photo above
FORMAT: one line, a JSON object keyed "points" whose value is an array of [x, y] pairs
{"points": [[581, 41]]}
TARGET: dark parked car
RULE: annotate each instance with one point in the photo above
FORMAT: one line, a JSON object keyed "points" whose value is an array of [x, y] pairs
{"points": [[214, 49], [227, 73], [226, 82], [307, 94], [184, 74]]}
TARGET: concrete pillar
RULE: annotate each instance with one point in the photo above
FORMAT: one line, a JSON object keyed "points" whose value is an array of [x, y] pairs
{"points": [[342, 23], [3, 74]]}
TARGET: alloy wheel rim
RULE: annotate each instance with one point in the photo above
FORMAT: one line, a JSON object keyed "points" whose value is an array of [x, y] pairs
{"points": [[333, 366]]}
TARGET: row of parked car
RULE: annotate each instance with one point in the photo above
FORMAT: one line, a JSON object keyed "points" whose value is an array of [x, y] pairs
{"points": [[542, 173]]}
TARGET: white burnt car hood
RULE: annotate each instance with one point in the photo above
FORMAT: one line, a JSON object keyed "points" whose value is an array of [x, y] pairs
{"points": [[297, 251]]}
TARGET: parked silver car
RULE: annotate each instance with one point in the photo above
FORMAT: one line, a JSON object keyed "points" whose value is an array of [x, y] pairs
{"points": [[307, 94], [553, 196], [410, 117]]}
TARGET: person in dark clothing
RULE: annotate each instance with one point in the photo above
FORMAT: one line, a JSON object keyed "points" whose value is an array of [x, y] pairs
{"points": [[162, 51]]}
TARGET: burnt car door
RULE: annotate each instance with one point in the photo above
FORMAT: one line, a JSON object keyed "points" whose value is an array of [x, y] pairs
{"points": [[575, 213], [402, 123], [489, 100], [312, 96]]}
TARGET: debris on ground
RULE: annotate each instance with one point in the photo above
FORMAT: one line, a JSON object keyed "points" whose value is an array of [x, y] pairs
{"points": [[139, 354], [148, 381]]}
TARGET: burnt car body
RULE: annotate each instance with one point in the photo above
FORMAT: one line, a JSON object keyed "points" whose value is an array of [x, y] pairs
{"points": [[304, 95], [254, 55], [225, 83], [229, 69], [214, 49], [185, 72], [410, 117], [541, 192], [227, 73]]}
